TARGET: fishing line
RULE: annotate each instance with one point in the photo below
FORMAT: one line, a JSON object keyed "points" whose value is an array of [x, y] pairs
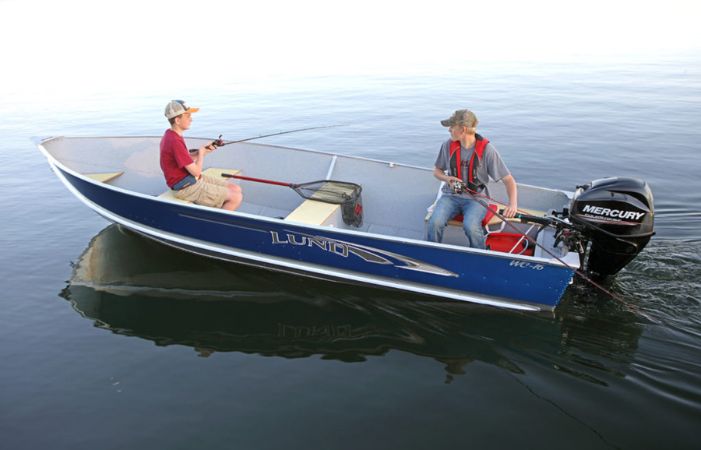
{"points": [[219, 143]]}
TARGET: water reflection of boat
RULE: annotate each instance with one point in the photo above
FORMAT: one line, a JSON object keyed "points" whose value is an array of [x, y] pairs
{"points": [[133, 286]]}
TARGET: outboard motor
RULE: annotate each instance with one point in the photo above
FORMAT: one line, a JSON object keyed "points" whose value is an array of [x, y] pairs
{"points": [[615, 216]]}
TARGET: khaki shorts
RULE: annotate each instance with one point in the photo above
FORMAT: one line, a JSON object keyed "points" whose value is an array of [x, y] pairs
{"points": [[208, 191]]}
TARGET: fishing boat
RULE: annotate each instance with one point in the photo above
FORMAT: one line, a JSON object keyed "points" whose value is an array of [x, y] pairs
{"points": [[374, 237]]}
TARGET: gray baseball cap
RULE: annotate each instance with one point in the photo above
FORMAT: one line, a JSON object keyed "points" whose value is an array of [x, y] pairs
{"points": [[176, 107], [461, 116]]}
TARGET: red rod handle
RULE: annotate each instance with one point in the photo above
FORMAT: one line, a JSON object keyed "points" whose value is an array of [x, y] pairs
{"points": [[257, 180]]}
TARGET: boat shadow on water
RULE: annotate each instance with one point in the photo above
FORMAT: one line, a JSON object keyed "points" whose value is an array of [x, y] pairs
{"points": [[136, 287]]}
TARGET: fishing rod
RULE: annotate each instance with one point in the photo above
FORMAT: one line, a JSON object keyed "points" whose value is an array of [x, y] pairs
{"points": [[276, 134], [218, 142]]}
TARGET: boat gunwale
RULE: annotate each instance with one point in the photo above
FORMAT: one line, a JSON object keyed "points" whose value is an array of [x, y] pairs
{"points": [[320, 152]]}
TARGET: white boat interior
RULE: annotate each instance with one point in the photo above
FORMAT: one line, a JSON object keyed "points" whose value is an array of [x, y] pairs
{"points": [[395, 196]]}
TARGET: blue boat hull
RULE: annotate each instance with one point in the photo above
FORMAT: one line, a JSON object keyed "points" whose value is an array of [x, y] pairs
{"points": [[447, 271]]}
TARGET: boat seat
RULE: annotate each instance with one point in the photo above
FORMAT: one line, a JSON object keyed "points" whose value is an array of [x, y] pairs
{"points": [[104, 177], [212, 172], [170, 195], [313, 212]]}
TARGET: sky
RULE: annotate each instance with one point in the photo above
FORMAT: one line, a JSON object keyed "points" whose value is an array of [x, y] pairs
{"points": [[56, 48]]}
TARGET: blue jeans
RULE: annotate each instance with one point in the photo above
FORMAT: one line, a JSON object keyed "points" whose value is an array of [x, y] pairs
{"points": [[450, 205]]}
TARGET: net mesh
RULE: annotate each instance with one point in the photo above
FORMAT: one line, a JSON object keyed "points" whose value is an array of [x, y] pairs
{"points": [[336, 192]]}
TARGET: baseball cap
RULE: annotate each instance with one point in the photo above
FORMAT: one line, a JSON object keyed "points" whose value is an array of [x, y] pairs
{"points": [[176, 107], [461, 116]]}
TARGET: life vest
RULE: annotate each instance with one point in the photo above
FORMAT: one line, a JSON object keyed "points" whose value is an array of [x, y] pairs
{"points": [[473, 183]]}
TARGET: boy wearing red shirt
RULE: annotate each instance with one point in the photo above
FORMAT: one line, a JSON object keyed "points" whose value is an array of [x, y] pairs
{"points": [[183, 174]]}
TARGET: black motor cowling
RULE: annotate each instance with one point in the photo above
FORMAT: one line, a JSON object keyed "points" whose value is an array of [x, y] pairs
{"points": [[616, 216]]}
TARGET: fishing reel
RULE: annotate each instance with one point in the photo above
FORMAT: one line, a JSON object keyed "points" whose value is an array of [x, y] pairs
{"points": [[218, 142], [458, 187]]}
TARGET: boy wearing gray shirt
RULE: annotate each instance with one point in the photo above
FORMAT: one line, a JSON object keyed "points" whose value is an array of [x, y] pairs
{"points": [[469, 159]]}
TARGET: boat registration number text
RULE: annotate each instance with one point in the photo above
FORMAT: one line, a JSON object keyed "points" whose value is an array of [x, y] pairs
{"points": [[526, 265]]}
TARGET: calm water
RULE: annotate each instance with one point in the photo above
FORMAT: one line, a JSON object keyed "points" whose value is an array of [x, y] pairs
{"points": [[154, 348]]}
